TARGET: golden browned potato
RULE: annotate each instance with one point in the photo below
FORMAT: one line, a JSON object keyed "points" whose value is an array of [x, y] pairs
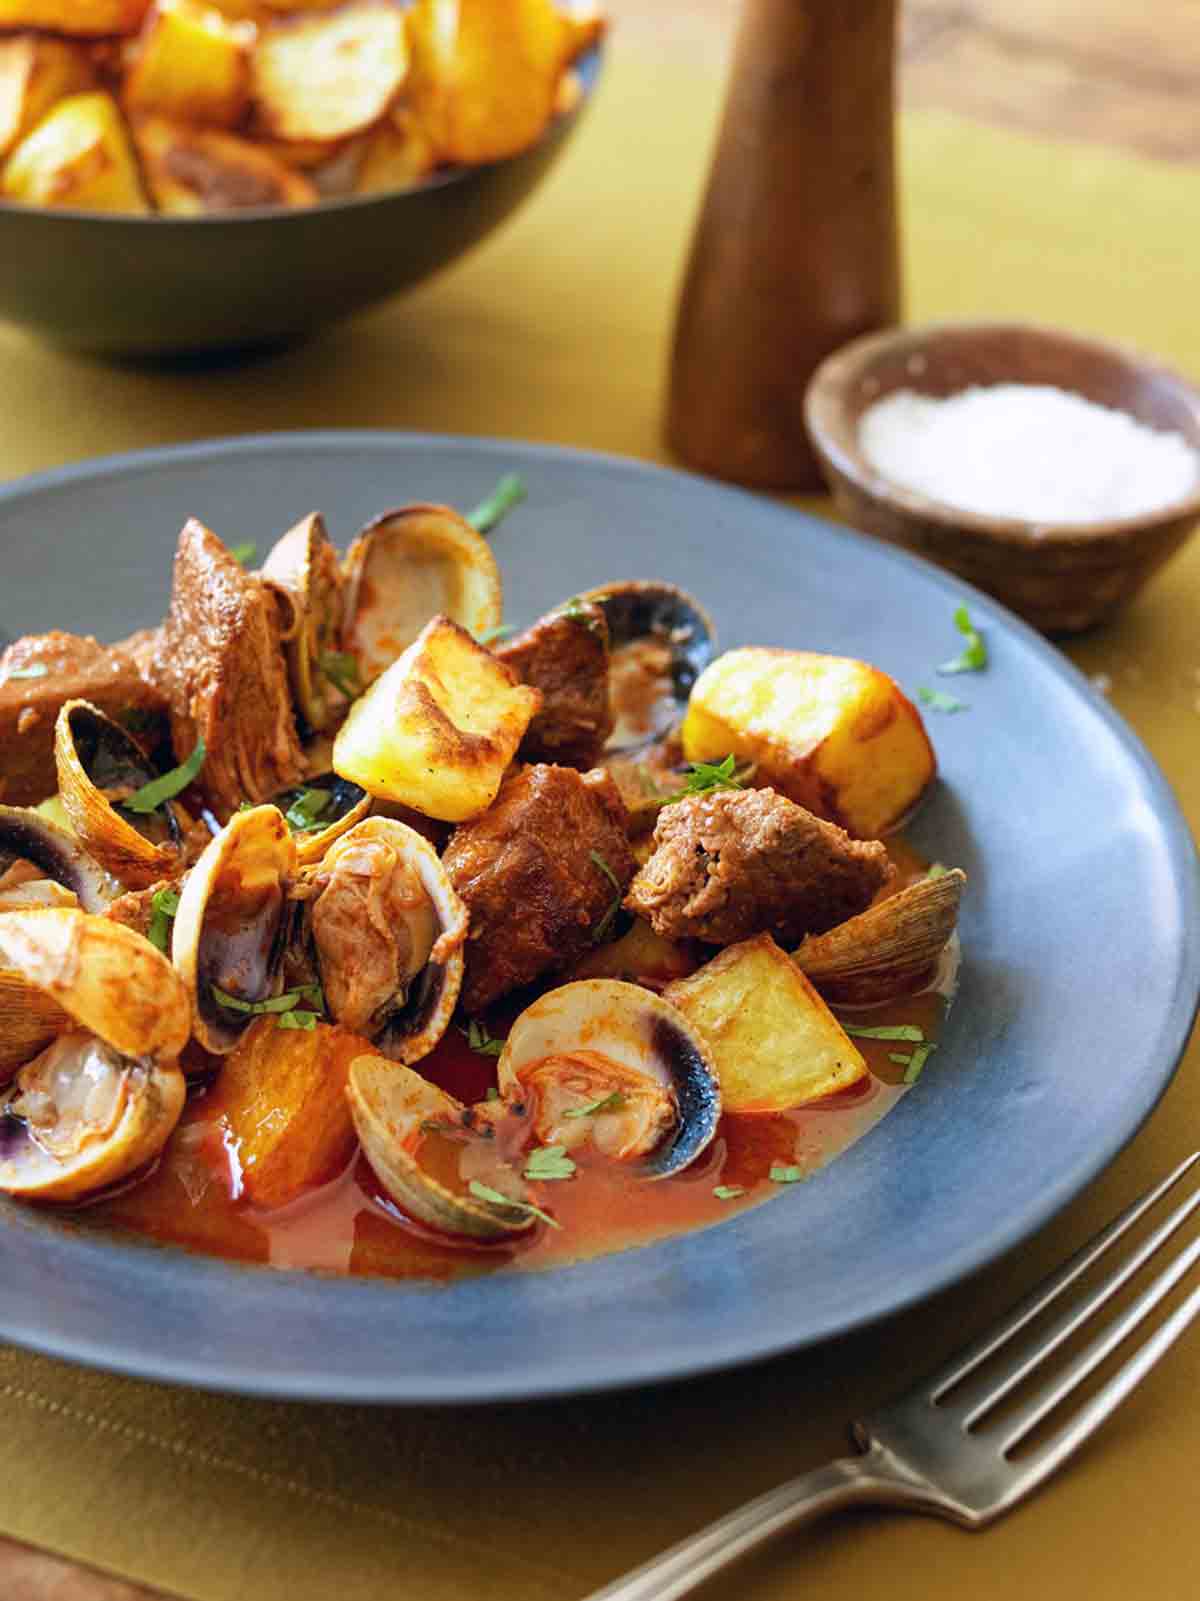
{"points": [[80, 156], [638, 955], [774, 1041], [281, 1097], [328, 76], [194, 170], [438, 729], [485, 76], [399, 154], [92, 19], [36, 72], [833, 734], [191, 63]]}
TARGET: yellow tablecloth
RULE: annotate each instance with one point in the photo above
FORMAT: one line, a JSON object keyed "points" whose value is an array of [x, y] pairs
{"points": [[557, 330]]}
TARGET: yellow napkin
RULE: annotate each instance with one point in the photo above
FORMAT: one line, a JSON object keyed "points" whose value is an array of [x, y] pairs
{"points": [[557, 330]]}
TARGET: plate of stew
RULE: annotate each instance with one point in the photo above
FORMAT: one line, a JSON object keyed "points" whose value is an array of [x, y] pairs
{"points": [[472, 1229]]}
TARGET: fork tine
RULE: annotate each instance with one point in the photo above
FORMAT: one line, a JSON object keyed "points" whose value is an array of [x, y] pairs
{"points": [[1021, 1422], [967, 1360], [1078, 1313]]}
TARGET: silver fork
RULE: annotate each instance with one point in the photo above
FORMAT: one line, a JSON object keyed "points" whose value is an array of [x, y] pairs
{"points": [[927, 1450]]}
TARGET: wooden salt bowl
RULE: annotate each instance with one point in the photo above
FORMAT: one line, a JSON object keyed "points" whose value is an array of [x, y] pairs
{"points": [[1062, 578]]}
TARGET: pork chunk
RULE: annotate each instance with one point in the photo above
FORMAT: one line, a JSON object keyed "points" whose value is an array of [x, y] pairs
{"points": [[529, 871], [565, 655], [41, 672], [220, 665], [733, 863]]}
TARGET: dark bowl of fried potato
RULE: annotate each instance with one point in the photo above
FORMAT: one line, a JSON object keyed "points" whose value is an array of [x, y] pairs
{"points": [[204, 175]]}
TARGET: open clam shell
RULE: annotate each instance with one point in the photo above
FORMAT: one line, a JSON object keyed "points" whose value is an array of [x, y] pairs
{"points": [[661, 640], [389, 930], [610, 1035], [25, 835], [29, 1021], [231, 929], [398, 1114], [347, 804], [408, 566], [890, 949], [98, 765], [305, 564]]}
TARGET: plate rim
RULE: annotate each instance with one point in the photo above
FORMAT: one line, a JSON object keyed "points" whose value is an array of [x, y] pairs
{"points": [[466, 1388]]}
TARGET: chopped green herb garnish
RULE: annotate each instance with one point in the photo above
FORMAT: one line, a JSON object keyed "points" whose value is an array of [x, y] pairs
{"points": [[607, 1103], [302, 814], [509, 492], [491, 635], [341, 669], [164, 903], [974, 655], [480, 1040], [298, 1019], [34, 670], [483, 1192], [937, 700], [159, 790], [576, 611], [728, 1192], [244, 554], [278, 1005], [885, 1031], [916, 1062], [938, 870], [703, 776], [785, 1175], [603, 927], [899, 1057], [549, 1162], [493, 1093]]}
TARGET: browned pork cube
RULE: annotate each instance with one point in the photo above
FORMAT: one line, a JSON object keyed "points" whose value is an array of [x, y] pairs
{"points": [[733, 863], [565, 655], [542, 872]]}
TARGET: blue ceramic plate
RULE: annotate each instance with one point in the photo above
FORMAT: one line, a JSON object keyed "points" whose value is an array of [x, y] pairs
{"points": [[1080, 936]]}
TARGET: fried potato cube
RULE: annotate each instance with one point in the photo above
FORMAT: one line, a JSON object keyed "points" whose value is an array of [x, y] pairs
{"points": [[329, 76], [35, 73], [191, 63], [484, 76], [774, 1041], [833, 734], [89, 19], [281, 1100], [399, 155], [440, 726], [79, 155], [191, 171], [640, 955]]}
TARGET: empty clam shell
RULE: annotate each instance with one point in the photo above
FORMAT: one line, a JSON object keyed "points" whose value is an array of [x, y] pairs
{"points": [[661, 639], [407, 567], [305, 564], [891, 948]]}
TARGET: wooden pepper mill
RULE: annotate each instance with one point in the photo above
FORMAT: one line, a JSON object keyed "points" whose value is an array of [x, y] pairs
{"points": [[796, 249]]}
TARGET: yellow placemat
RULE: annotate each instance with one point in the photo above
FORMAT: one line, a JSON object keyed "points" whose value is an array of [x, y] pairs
{"points": [[557, 330]]}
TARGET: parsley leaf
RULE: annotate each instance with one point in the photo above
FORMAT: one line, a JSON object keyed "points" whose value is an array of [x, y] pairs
{"points": [[509, 492], [885, 1031], [602, 928], [152, 795], [279, 1006], [938, 870], [917, 1061], [483, 1192], [937, 700], [974, 656], [34, 670], [480, 1040], [606, 1103], [728, 1192], [785, 1175], [164, 903], [703, 776], [298, 1019], [302, 814], [549, 1162], [341, 669], [244, 554], [490, 636]]}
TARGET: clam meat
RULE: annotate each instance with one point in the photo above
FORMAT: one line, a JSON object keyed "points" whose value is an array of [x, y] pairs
{"points": [[661, 640]]}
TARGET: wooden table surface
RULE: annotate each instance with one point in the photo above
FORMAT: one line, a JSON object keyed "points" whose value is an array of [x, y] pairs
{"points": [[1103, 70]]}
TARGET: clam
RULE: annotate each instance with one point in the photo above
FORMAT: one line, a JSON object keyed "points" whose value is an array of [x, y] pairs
{"points": [[890, 949], [615, 1065], [304, 566], [99, 766], [661, 639], [425, 1149], [388, 931], [411, 565], [320, 811], [28, 837], [100, 1100], [232, 927]]}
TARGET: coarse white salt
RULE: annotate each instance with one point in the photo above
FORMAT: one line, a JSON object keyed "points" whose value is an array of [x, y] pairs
{"points": [[1029, 451]]}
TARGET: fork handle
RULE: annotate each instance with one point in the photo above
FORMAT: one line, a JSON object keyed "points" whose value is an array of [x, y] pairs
{"points": [[850, 1481]]}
